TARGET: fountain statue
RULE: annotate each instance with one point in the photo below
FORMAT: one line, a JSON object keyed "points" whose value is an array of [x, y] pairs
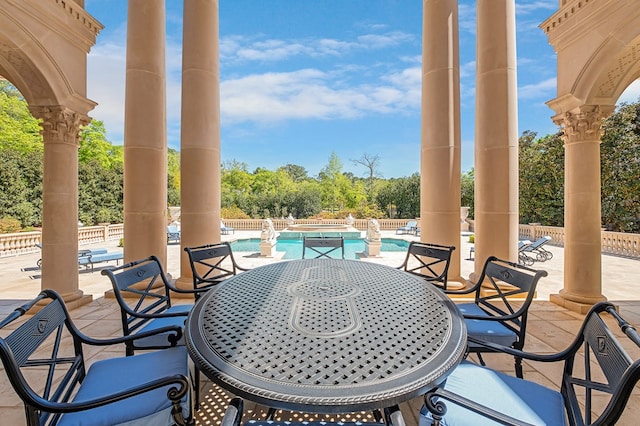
{"points": [[268, 238]]}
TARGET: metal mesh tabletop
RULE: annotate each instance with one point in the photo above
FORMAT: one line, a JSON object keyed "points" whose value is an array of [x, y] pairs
{"points": [[326, 335]]}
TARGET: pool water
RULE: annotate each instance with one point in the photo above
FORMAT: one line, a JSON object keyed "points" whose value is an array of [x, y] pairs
{"points": [[293, 248]]}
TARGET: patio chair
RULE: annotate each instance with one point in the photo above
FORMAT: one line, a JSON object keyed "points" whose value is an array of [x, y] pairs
{"points": [[409, 228], [523, 257], [210, 265], [225, 230], [598, 375], [235, 410], [44, 360], [536, 249], [322, 246], [143, 292], [503, 293], [173, 233], [428, 261]]}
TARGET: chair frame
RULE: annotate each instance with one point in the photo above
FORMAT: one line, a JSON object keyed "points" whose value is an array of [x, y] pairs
{"points": [[173, 233], [152, 300], [494, 293], [536, 248], [430, 257], [316, 243], [235, 410], [22, 350], [206, 265], [595, 342]]}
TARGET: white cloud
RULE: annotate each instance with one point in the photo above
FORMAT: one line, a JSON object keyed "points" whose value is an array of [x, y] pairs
{"points": [[544, 88]]}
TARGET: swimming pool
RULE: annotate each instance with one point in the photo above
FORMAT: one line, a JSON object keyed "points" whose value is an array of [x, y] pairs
{"points": [[293, 248]]}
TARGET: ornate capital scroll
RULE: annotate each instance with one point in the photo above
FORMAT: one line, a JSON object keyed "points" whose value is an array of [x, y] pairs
{"points": [[59, 123], [584, 123]]}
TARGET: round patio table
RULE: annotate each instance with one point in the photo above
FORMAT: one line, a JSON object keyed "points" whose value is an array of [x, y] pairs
{"points": [[326, 335]]}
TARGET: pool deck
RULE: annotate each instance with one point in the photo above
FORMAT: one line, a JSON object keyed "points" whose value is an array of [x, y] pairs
{"points": [[550, 327]]}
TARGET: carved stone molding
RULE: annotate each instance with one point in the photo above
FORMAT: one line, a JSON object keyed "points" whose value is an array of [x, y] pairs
{"points": [[584, 123], [59, 123]]}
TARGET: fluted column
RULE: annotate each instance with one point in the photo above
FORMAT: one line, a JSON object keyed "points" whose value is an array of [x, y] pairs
{"points": [[496, 144], [582, 210], [145, 135], [60, 132], [200, 131], [440, 135]]}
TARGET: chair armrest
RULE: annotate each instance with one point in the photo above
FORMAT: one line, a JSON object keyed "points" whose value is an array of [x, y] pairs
{"points": [[173, 288], [560, 356], [174, 336], [242, 269], [466, 290], [175, 394], [433, 402]]}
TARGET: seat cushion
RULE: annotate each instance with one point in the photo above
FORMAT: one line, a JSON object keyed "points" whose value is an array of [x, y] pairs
{"points": [[109, 376], [518, 398], [490, 331], [161, 339]]}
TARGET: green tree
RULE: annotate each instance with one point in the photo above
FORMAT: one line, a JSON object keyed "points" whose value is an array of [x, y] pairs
{"points": [[297, 173], [620, 169], [173, 177], [541, 185], [401, 197], [94, 146], [19, 130], [467, 191]]}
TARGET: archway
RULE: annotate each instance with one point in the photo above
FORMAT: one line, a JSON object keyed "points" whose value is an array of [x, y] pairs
{"points": [[43, 49]]}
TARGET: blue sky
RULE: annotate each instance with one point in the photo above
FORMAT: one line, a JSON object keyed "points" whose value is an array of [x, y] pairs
{"points": [[301, 79]]}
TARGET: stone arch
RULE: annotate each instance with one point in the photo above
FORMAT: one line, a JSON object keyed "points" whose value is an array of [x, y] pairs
{"points": [[598, 52], [43, 52]]}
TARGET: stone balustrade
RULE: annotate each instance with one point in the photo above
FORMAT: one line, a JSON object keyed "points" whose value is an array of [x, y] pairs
{"points": [[614, 243]]}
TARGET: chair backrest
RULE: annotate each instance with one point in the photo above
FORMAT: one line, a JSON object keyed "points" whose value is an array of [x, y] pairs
{"points": [[618, 372], [428, 261], [211, 264], [507, 289], [322, 246], [141, 288], [61, 366]]}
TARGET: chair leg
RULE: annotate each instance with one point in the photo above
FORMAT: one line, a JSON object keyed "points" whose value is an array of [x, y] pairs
{"points": [[482, 363], [271, 413], [518, 365]]}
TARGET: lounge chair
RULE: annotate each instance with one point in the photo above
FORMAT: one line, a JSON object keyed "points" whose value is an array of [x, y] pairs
{"points": [[409, 228], [536, 249], [523, 257], [225, 230], [173, 233]]}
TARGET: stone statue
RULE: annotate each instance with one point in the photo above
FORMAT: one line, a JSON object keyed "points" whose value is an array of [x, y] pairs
{"points": [[290, 220], [268, 232], [373, 230]]}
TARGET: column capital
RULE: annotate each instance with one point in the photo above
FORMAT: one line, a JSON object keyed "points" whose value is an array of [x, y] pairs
{"points": [[583, 123], [60, 123]]}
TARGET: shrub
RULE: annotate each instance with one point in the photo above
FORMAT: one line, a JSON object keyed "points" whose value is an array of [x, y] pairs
{"points": [[9, 225]]}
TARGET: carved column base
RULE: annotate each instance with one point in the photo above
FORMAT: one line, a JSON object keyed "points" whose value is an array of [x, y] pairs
{"points": [[575, 303], [268, 248], [72, 300], [372, 248]]}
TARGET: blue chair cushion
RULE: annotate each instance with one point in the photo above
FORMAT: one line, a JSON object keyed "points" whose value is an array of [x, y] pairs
{"points": [[490, 331], [117, 374], [161, 339], [305, 423], [518, 398]]}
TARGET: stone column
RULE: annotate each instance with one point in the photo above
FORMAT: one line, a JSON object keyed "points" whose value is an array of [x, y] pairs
{"points": [[145, 134], [60, 131], [582, 210], [200, 128], [440, 131], [496, 145]]}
